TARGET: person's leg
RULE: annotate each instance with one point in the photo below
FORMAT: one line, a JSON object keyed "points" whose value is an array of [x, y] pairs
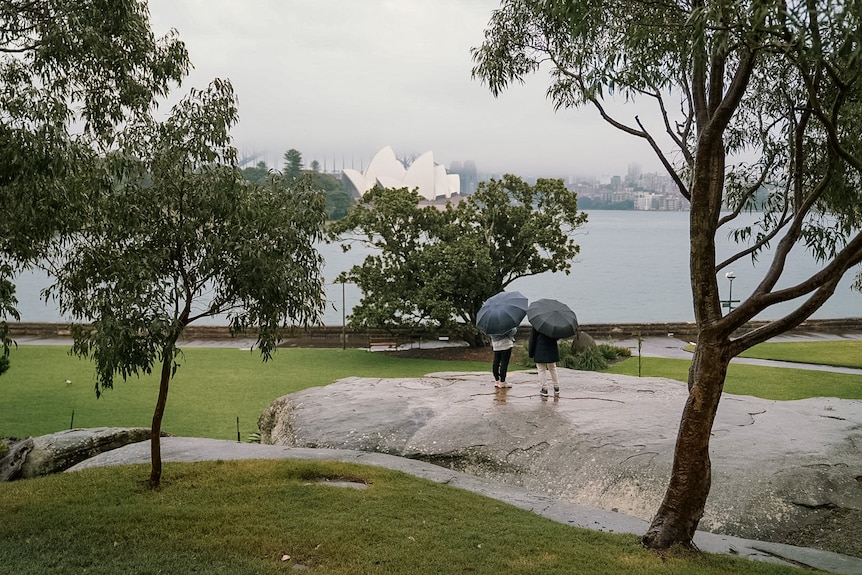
{"points": [[543, 376], [505, 355], [495, 369], [552, 369]]}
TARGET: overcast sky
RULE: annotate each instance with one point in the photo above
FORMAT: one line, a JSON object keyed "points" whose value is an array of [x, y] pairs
{"points": [[340, 79]]}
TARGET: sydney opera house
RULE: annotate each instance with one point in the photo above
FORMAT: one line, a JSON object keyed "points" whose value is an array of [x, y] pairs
{"points": [[431, 179]]}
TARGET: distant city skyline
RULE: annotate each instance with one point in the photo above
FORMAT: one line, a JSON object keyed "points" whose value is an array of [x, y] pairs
{"points": [[332, 164], [340, 79]]}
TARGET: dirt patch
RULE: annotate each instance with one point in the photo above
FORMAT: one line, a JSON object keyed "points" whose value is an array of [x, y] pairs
{"points": [[462, 353]]}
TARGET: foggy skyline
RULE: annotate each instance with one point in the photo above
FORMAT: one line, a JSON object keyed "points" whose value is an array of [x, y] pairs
{"points": [[339, 79]]}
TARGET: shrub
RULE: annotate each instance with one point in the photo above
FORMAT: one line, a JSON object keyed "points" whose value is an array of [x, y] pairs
{"points": [[567, 355], [522, 356], [613, 352], [589, 359]]}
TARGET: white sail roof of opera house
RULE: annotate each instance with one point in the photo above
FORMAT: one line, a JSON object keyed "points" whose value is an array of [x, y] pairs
{"points": [[430, 178]]}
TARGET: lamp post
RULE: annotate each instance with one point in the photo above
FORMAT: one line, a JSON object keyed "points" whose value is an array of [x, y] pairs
{"points": [[343, 318], [730, 301]]}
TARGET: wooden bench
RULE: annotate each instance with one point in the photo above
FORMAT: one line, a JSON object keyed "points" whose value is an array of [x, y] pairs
{"points": [[386, 344]]}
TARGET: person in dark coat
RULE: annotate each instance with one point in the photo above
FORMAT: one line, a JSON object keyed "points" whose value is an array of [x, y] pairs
{"points": [[546, 354]]}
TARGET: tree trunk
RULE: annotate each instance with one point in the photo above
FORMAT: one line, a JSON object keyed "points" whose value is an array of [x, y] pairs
{"points": [[684, 501], [477, 340], [158, 414]]}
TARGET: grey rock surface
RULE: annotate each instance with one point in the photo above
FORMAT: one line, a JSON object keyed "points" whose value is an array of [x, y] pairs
{"points": [[59, 451], [607, 442], [14, 457], [581, 342]]}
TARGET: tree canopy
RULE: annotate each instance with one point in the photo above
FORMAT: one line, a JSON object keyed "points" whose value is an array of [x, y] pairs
{"points": [[749, 99], [70, 72], [184, 237], [338, 200], [433, 268], [257, 173]]}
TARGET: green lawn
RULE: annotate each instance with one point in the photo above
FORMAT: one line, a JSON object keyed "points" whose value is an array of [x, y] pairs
{"points": [[212, 388], [215, 386], [248, 517], [841, 353], [770, 382], [267, 517]]}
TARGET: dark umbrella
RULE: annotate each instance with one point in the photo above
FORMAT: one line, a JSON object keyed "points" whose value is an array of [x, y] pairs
{"points": [[502, 312], [552, 318]]}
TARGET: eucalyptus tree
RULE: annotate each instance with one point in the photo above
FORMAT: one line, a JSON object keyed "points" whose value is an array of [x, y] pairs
{"points": [[433, 268], [749, 97], [184, 237], [70, 71]]}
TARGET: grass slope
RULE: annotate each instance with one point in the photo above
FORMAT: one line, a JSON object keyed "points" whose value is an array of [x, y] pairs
{"points": [[268, 517]]}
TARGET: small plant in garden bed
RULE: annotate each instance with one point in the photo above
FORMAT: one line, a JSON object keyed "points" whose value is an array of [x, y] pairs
{"points": [[590, 359]]}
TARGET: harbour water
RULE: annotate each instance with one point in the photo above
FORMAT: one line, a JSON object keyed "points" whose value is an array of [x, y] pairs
{"points": [[633, 267]]}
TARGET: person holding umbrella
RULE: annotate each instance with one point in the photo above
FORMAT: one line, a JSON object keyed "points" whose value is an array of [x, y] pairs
{"points": [[546, 353], [499, 317], [502, 345], [551, 321]]}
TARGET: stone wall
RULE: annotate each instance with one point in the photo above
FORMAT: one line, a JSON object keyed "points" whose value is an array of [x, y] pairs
{"points": [[336, 336]]}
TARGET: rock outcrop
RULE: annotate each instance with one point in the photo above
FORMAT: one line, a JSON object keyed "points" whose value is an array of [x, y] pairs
{"points": [[57, 452], [582, 342], [607, 442], [13, 457]]}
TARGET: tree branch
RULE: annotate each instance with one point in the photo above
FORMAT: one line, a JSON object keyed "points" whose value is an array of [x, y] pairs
{"points": [[789, 321], [640, 133]]}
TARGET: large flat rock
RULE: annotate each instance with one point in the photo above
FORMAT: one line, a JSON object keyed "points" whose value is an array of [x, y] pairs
{"points": [[607, 442]]}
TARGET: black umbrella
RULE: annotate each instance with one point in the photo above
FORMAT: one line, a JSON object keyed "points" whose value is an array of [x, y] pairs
{"points": [[552, 318], [502, 312]]}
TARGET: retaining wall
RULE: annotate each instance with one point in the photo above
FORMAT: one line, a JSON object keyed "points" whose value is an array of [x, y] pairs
{"points": [[337, 336]]}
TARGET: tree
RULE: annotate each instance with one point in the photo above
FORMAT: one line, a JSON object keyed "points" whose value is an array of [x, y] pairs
{"points": [[257, 174], [338, 204], [91, 64], [338, 200], [711, 70], [292, 164], [184, 237], [434, 268]]}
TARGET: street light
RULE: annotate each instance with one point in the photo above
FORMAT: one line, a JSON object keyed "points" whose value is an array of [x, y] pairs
{"points": [[343, 312], [343, 318], [730, 301]]}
